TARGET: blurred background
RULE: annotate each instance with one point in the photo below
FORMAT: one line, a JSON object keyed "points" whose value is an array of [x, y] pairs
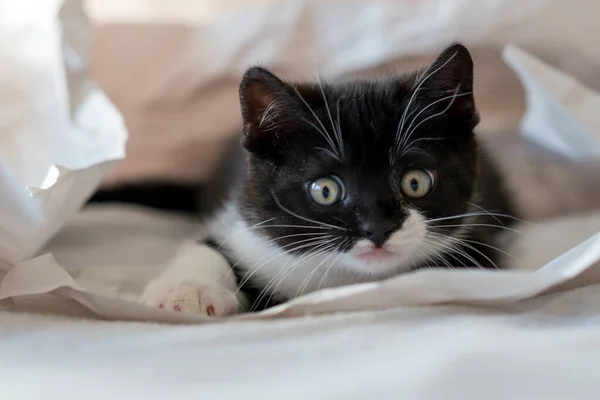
{"points": [[172, 68]]}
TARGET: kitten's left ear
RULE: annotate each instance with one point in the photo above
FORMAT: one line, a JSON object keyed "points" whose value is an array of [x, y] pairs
{"points": [[451, 76]]}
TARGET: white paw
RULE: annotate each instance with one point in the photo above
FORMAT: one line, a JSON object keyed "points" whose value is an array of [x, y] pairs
{"points": [[209, 299]]}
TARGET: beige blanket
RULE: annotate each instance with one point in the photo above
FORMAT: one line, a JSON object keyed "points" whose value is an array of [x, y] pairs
{"points": [[541, 348]]}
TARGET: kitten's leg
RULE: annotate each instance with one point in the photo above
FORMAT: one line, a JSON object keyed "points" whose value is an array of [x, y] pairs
{"points": [[200, 280]]}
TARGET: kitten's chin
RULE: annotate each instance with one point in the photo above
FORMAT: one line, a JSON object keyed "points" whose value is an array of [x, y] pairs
{"points": [[380, 264], [386, 261]]}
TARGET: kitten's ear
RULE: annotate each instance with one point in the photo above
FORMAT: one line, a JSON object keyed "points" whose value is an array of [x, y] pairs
{"points": [[265, 100], [451, 76], [258, 90]]}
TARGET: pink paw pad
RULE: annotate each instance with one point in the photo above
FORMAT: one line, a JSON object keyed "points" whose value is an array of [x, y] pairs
{"points": [[177, 305]]}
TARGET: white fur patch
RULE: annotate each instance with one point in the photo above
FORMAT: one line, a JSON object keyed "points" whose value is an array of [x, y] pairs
{"points": [[278, 270]]}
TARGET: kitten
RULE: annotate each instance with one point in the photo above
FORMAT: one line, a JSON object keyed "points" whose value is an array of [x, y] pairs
{"points": [[345, 183]]}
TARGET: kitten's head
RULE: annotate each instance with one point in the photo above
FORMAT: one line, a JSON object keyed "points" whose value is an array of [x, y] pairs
{"points": [[363, 172]]}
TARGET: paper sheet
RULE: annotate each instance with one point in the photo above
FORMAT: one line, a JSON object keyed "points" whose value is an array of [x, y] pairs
{"points": [[422, 288], [59, 133], [175, 65], [562, 114], [67, 169]]}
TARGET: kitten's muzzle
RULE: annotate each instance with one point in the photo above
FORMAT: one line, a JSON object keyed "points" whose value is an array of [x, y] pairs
{"points": [[377, 232]]}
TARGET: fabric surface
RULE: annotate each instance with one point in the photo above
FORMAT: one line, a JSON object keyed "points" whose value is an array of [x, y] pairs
{"points": [[542, 348]]}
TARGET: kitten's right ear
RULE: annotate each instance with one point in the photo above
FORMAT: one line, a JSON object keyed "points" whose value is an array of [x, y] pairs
{"points": [[264, 100]]}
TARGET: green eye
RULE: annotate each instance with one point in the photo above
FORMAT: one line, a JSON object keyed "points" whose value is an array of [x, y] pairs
{"points": [[417, 183], [326, 191]]}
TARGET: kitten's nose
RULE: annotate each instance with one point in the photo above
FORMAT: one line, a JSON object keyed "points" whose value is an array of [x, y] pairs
{"points": [[378, 232]]}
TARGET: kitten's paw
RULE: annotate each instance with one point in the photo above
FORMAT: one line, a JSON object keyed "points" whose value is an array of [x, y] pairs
{"points": [[209, 299]]}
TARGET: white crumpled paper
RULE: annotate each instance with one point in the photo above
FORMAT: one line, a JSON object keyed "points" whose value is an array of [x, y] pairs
{"points": [[175, 65], [44, 275], [58, 133], [562, 114]]}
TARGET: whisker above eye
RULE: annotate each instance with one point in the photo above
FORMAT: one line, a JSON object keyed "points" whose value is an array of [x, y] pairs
{"points": [[326, 136], [414, 95], [452, 98], [336, 132], [410, 147], [293, 214], [329, 152], [339, 126], [323, 131]]}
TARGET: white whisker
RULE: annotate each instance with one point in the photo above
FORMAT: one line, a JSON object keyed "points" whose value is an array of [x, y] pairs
{"points": [[481, 225], [326, 273], [285, 272], [254, 267], [306, 280], [469, 214], [412, 97], [324, 132], [410, 147], [238, 233], [337, 134], [329, 152], [452, 96], [339, 127], [454, 249], [407, 136], [327, 138], [495, 214], [304, 218], [291, 226], [434, 250], [266, 116], [462, 242]]}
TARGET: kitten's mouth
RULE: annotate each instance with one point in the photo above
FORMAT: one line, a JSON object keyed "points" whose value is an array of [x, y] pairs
{"points": [[376, 253]]}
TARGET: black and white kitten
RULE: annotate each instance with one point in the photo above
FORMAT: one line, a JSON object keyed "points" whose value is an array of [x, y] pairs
{"points": [[345, 183]]}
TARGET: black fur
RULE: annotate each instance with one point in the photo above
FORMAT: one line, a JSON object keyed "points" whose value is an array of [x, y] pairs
{"points": [[284, 155], [286, 150], [164, 196]]}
